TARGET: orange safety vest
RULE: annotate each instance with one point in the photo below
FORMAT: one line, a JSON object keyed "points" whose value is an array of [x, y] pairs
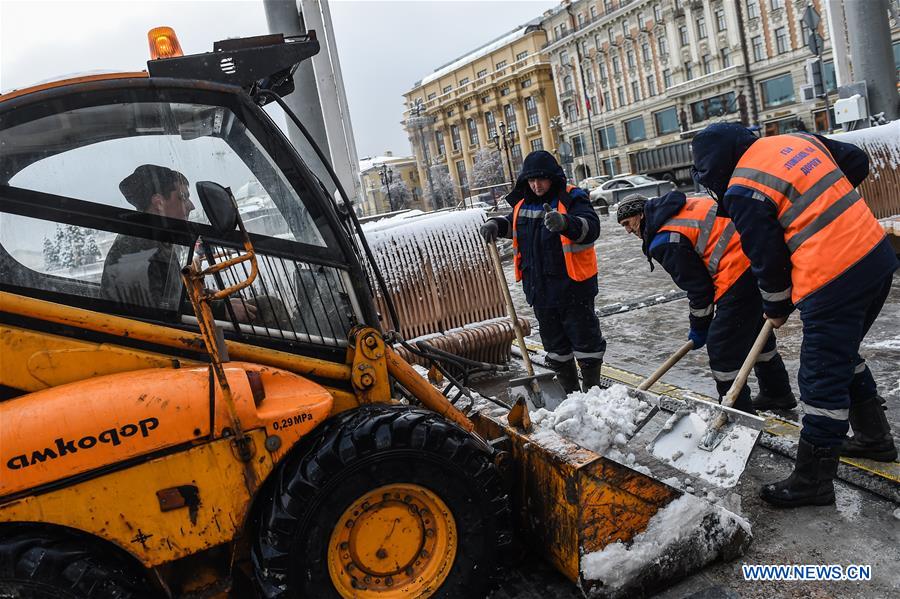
{"points": [[580, 259], [714, 239], [827, 226]]}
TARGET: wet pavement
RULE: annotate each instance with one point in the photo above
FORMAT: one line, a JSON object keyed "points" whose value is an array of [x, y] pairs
{"points": [[859, 529]]}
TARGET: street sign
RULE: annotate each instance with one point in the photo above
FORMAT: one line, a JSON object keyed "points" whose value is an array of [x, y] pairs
{"points": [[810, 17], [814, 42]]}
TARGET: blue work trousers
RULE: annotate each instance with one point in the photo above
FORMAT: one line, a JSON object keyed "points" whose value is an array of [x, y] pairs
{"points": [[832, 373], [570, 332]]}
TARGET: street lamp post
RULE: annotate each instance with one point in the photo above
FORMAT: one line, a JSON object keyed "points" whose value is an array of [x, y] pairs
{"points": [[387, 177], [504, 141]]}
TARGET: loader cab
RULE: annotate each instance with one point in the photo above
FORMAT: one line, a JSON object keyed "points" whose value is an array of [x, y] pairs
{"points": [[70, 233]]}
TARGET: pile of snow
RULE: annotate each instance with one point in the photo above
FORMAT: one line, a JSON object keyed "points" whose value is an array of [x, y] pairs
{"points": [[881, 143], [685, 535], [596, 419]]}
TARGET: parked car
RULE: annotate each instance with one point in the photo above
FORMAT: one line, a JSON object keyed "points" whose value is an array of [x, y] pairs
{"points": [[591, 183], [615, 189]]}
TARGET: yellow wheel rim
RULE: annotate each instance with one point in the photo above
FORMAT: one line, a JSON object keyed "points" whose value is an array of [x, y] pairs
{"points": [[395, 541]]}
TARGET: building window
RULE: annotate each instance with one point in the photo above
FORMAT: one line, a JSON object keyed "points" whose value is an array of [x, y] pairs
{"points": [[776, 4], [666, 121], [578, 148], [473, 132], [620, 95], [593, 104], [781, 40], [504, 91], [564, 57], [629, 57], [606, 101], [447, 89], [667, 78], [526, 83], [500, 65], [490, 124], [590, 76], [641, 21], [454, 137], [634, 130], [707, 64], [593, 12], [617, 66], [663, 46], [607, 137], [603, 74], [725, 56], [537, 144], [450, 112], [580, 20], [485, 99], [509, 113], [777, 91], [758, 51], [626, 28], [683, 34], [461, 173], [701, 27], [463, 81], [481, 73], [567, 83], [570, 111], [432, 96], [635, 91], [651, 85], [720, 19], [828, 78], [515, 152], [752, 9], [522, 55], [688, 71], [607, 6], [657, 13], [714, 107], [531, 111], [467, 106], [609, 34], [439, 142]]}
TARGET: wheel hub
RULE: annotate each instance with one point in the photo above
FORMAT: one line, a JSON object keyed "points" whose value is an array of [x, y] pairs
{"points": [[397, 540]]}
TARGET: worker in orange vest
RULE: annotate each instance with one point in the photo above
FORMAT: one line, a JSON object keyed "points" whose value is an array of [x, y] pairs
{"points": [[813, 244], [553, 228], [700, 249]]}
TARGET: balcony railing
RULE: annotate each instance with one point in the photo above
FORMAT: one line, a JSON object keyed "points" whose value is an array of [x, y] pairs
{"points": [[696, 83]]}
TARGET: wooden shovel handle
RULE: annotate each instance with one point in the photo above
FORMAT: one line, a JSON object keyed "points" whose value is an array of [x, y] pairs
{"points": [[510, 308], [673, 359], [748, 364]]}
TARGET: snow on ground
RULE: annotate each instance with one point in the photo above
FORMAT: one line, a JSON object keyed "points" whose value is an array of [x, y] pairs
{"points": [[597, 419], [672, 534]]}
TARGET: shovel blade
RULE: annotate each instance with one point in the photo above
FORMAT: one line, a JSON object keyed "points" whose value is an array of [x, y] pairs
{"points": [[538, 391], [679, 445]]}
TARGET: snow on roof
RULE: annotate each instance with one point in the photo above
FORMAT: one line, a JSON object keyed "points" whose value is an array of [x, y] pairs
{"points": [[496, 44], [370, 162], [881, 143]]}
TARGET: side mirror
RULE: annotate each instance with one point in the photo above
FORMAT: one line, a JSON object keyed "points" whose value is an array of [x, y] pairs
{"points": [[219, 206]]}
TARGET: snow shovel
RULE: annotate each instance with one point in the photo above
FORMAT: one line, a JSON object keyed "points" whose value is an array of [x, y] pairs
{"points": [[713, 442], [535, 390]]}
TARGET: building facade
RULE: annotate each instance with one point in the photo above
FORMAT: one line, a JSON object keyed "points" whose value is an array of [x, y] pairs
{"points": [[499, 97], [401, 173], [637, 78]]}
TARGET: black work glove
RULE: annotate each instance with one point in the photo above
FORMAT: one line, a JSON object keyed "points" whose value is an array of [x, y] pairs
{"points": [[489, 230], [555, 220]]}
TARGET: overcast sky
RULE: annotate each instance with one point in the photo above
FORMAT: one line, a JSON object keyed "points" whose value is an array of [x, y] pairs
{"points": [[384, 47]]}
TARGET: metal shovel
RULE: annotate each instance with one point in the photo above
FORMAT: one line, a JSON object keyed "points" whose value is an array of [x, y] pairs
{"points": [[713, 442], [535, 390]]}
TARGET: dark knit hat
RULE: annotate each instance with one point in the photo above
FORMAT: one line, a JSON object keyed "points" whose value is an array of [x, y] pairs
{"points": [[147, 180], [630, 206]]}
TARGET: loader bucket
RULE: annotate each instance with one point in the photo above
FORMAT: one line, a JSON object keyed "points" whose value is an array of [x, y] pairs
{"points": [[592, 517]]}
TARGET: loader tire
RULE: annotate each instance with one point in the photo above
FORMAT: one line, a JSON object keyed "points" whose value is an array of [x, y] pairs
{"points": [[41, 566], [386, 501]]}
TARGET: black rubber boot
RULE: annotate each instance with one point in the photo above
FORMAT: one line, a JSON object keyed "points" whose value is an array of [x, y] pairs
{"points": [[811, 482], [567, 375], [764, 401], [590, 376], [871, 432]]}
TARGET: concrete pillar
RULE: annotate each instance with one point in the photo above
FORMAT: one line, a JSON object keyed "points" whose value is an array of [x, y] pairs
{"points": [[544, 121], [871, 55], [840, 47]]}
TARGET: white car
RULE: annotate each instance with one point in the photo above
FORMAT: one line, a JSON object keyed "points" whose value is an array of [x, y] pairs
{"points": [[592, 183], [603, 195]]}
